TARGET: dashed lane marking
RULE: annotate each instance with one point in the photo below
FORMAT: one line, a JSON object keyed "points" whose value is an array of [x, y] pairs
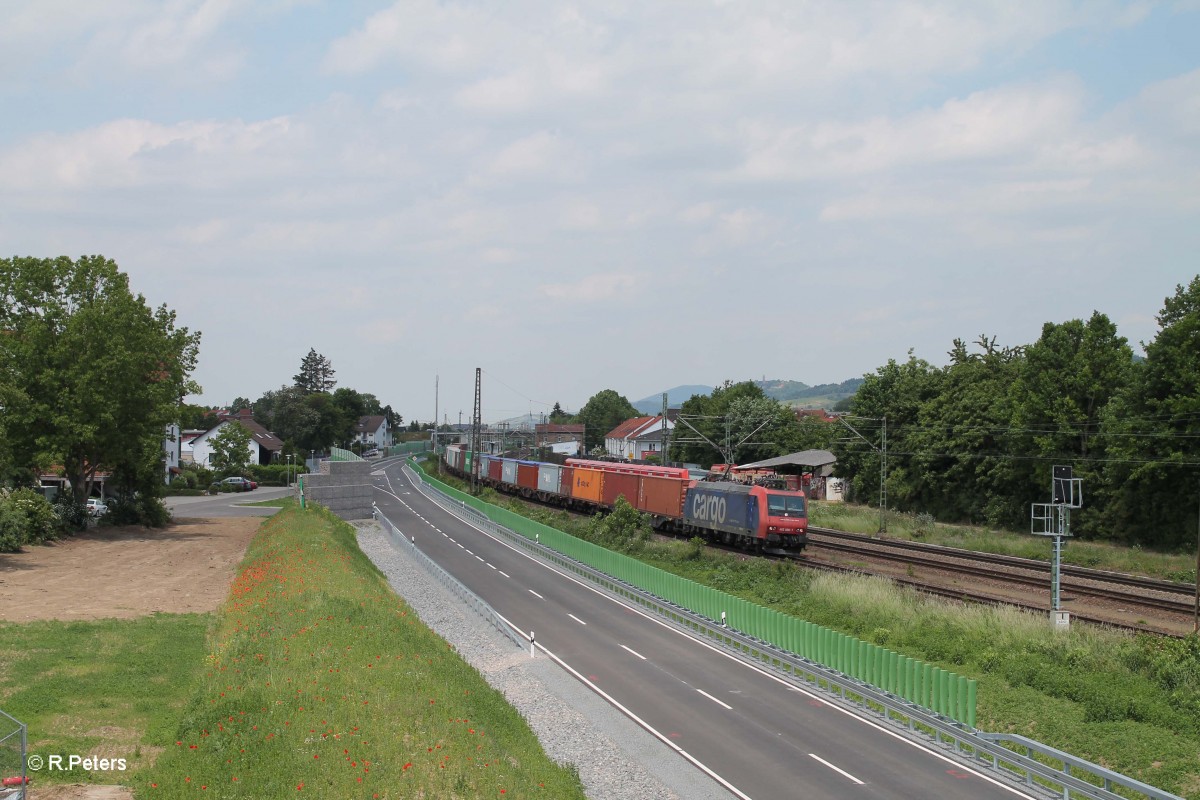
{"points": [[577, 619], [635, 652], [838, 770], [535, 594], [715, 700]]}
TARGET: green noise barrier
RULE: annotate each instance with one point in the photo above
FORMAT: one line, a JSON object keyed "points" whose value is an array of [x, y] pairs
{"points": [[952, 696]]}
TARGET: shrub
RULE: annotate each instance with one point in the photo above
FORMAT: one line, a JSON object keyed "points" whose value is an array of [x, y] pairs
{"points": [[72, 516], [140, 509], [41, 523], [11, 533]]}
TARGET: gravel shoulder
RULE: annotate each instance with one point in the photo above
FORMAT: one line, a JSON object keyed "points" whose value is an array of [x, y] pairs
{"points": [[616, 759]]}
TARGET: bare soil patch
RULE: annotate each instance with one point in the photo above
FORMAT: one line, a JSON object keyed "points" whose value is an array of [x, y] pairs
{"points": [[126, 572]]}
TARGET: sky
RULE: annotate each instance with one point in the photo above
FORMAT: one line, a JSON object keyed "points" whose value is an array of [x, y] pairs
{"points": [[577, 196]]}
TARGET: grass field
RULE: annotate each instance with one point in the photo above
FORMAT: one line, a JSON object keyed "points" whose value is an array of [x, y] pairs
{"points": [[1131, 703], [314, 679], [110, 688], [319, 680]]}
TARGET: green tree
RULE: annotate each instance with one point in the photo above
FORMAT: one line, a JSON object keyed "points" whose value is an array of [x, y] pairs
{"points": [[197, 418], [91, 374], [231, 449], [961, 466], [604, 411], [316, 373], [239, 404], [896, 391], [1151, 432], [701, 433], [558, 416], [1063, 386]]}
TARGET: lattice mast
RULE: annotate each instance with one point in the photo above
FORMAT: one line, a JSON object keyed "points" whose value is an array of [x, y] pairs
{"points": [[1054, 519], [476, 435]]}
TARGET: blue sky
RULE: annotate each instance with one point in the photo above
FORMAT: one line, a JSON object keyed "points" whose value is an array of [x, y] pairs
{"points": [[579, 196]]}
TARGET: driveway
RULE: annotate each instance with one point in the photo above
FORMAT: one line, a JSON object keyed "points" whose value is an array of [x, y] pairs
{"points": [[226, 505]]}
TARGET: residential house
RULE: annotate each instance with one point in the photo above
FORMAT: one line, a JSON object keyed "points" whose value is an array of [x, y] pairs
{"points": [[263, 444], [566, 440], [624, 441], [373, 430]]}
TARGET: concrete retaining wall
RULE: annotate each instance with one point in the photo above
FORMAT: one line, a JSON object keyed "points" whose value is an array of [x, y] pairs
{"points": [[344, 487]]}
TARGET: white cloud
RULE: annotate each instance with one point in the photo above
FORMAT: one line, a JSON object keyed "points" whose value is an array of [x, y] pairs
{"points": [[134, 152], [592, 288]]}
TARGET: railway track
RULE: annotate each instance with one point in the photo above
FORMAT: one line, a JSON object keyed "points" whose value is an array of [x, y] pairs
{"points": [[1151, 593], [1167, 606], [1116, 599]]}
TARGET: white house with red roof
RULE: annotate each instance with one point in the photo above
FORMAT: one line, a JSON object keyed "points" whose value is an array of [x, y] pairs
{"points": [[631, 440]]}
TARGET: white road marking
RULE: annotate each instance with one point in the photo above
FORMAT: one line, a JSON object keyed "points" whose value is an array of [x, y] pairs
{"points": [[838, 770], [493, 566], [577, 619], [477, 557], [731, 656], [635, 652], [505, 574], [468, 552], [715, 700], [535, 594]]}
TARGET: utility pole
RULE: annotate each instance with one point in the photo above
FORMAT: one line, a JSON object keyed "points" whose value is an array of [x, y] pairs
{"points": [[435, 412], [882, 450], [476, 435], [666, 434]]}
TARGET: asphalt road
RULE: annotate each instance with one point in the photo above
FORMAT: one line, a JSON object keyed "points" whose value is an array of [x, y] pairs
{"points": [[758, 735], [227, 505]]}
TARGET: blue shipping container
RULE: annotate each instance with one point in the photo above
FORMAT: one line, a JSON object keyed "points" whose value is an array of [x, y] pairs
{"points": [[722, 507]]}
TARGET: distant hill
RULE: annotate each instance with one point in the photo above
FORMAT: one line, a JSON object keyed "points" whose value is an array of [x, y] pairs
{"points": [[825, 395], [782, 390], [675, 397], [792, 393]]}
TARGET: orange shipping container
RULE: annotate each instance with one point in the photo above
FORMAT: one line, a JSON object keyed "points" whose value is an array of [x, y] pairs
{"points": [[662, 496], [619, 484], [587, 484]]}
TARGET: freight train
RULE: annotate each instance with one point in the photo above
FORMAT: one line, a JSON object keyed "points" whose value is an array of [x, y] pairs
{"points": [[752, 517]]}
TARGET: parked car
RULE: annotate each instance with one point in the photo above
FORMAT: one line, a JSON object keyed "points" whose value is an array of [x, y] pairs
{"points": [[96, 507], [240, 484]]}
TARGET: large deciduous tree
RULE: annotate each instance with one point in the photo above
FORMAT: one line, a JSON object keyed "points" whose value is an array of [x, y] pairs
{"points": [[231, 449], [604, 411], [1152, 432], [91, 374]]}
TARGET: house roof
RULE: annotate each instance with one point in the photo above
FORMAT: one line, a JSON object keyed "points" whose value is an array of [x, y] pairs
{"points": [[264, 438], [630, 428], [805, 458], [553, 427], [369, 424]]}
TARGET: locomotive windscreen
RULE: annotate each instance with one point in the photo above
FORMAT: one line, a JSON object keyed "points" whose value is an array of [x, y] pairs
{"points": [[785, 505]]}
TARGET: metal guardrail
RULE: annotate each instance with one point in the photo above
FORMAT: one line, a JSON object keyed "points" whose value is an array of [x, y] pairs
{"points": [[14, 745], [1017, 760], [453, 584]]}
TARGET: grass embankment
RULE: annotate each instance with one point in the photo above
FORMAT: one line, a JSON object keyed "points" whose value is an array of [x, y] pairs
{"points": [[1131, 703], [1083, 553], [319, 680], [110, 689]]}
